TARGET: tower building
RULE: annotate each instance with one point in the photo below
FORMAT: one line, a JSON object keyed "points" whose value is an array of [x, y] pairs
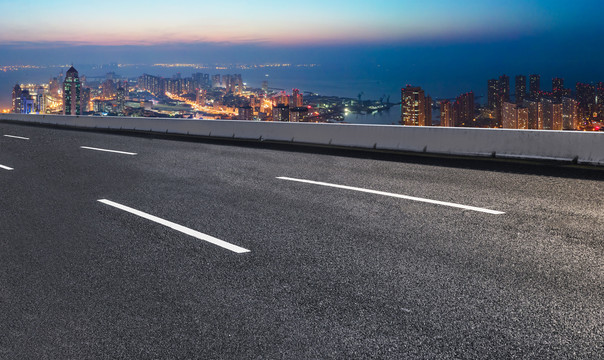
{"points": [[71, 93]]}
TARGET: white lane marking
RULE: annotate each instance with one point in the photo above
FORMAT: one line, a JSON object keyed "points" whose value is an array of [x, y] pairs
{"points": [[107, 150], [5, 167], [16, 137], [185, 230], [413, 198]]}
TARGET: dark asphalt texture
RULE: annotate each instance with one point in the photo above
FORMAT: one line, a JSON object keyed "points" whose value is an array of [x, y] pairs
{"points": [[332, 273]]}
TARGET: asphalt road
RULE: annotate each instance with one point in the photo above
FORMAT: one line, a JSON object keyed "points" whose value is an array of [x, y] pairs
{"points": [[326, 268]]}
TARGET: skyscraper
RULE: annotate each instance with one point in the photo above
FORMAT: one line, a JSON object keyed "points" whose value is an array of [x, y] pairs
{"points": [[492, 93], [463, 110], [413, 106], [446, 113], [428, 111], [504, 87], [586, 96], [17, 98], [534, 86], [296, 100], [535, 114], [558, 88], [510, 116], [570, 118], [71, 93], [520, 88]]}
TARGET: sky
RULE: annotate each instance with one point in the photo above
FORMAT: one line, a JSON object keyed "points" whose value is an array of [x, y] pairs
{"points": [[270, 22], [450, 45]]}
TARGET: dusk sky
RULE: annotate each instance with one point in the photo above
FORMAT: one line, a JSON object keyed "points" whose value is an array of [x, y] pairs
{"points": [[113, 22]]}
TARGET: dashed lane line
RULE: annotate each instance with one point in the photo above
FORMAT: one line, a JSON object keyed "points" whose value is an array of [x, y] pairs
{"points": [[108, 150], [182, 229], [406, 197], [16, 137]]}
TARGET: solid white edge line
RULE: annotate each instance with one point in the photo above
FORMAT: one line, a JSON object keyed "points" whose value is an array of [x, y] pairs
{"points": [[16, 137], [182, 229], [107, 150], [6, 167], [406, 197]]}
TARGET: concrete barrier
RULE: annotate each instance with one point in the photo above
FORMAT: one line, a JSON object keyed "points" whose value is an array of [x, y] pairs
{"points": [[582, 147]]}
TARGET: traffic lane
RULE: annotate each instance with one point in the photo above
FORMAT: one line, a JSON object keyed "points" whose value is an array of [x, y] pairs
{"points": [[325, 264], [486, 250]]}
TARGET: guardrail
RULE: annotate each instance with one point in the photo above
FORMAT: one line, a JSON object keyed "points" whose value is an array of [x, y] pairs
{"points": [[571, 146]]}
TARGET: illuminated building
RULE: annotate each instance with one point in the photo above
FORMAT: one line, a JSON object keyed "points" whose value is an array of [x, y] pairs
{"points": [[558, 89], [520, 86], [446, 113], [121, 100], [413, 106], [535, 114], [510, 116], [216, 83], [108, 89], [245, 113], [557, 116], [281, 112], [17, 98], [586, 97], [428, 110], [152, 84], [534, 86], [504, 88], [281, 99], [548, 114], [523, 118], [297, 114], [463, 110], [492, 93], [296, 100], [570, 117], [71, 93], [85, 100], [265, 86]]}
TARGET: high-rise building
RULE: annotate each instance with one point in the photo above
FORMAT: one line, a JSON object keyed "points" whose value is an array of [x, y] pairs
{"points": [[558, 89], [548, 114], [245, 113], [413, 106], [265, 86], [216, 83], [280, 112], [297, 114], [535, 114], [534, 86], [121, 100], [510, 116], [17, 98], [557, 116], [85, 100], [523, 118], [296, 100], [504, 87], [463, 110], [428, 110], [586, 97], [520, 86], [71, 93], [570, 117], [492, 93], [446, 113]]}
